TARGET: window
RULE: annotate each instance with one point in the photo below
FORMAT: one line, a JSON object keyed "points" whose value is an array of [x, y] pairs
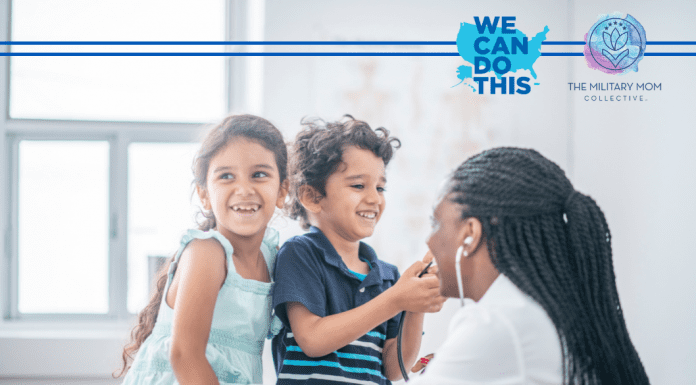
{"points": [[63, 226], [159, 190], [97, 150], [154, 89]]}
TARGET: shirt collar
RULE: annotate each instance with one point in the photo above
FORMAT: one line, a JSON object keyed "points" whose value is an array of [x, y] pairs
{"points": [[365, 252], [503, 291]]}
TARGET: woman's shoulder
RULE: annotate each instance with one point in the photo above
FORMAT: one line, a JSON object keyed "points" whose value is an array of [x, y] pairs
{"points": [[508, 335], [485, 338]]}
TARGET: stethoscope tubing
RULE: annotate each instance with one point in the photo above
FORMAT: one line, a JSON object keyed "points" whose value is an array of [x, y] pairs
{"points": [[401, 330]]}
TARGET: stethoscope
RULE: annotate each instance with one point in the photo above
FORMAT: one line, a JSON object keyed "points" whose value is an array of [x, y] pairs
{"points": [[401, 330], [460, 286]]}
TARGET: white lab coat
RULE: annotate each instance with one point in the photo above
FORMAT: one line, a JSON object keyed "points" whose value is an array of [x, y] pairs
{"points": [[504, 338]]}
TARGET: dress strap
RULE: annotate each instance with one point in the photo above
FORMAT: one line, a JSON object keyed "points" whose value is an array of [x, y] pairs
{"points": [[269, 248], [190, 235]]}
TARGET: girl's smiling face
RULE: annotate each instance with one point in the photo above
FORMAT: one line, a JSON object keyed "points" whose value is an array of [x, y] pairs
{"points": [[243, 188]]}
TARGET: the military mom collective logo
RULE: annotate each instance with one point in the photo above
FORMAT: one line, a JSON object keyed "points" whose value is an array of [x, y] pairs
{"points": [[503, 50], [615, 44]]}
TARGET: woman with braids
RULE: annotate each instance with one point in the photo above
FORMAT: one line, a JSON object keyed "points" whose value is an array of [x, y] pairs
{"points": [[511, 233]]}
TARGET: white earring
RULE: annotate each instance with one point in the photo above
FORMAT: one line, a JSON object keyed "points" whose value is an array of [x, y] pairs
{"points": [[458, 269]]}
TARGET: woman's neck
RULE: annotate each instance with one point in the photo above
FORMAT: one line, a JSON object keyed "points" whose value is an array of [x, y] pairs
{"points": [[483, 274]]}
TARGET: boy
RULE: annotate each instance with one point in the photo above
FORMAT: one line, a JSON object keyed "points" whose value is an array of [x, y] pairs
{"points": [[339, 304]]}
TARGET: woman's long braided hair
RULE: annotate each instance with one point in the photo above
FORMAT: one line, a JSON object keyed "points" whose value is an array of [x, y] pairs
{"points": [[554, 244]]}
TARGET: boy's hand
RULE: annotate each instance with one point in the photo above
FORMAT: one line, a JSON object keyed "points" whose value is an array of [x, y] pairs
{"points": [[419, 295], [433, 269]]}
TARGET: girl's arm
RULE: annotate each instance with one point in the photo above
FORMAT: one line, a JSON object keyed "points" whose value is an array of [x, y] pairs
{"points": [[200, 274], [319, 336]]}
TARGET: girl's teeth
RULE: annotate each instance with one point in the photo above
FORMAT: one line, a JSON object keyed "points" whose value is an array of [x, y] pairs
{"points": [[245, 208]]}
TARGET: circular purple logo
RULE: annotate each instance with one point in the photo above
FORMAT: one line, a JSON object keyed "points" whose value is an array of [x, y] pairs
{"points": [[615, 44]]}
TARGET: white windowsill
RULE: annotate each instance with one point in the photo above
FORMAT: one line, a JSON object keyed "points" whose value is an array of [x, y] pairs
{"points": [[62, 349], [65, 329]]}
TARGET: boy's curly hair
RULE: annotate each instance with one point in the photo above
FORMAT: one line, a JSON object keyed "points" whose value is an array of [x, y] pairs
{"points": [[318, 151]]}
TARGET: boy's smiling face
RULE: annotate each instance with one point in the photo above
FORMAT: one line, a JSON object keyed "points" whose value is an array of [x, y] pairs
{"points": [[354, 199]]}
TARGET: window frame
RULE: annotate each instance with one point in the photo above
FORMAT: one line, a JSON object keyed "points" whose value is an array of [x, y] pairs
{"points": [[119, 135]]}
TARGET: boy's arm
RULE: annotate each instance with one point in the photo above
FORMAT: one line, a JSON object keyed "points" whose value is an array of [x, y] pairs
{"points": [[411, 341], [319, 336]]}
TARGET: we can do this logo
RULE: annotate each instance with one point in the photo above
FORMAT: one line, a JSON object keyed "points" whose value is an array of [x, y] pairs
{"points": [[615, 44]]}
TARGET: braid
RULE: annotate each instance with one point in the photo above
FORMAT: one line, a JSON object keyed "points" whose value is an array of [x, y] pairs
{"points": [[554, 244]]}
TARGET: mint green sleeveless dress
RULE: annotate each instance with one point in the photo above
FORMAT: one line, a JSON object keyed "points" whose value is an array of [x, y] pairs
{"points": [[242, 320]]}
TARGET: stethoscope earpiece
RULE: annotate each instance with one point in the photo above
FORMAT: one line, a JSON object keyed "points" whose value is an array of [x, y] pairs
{"points": [[458, 269]]}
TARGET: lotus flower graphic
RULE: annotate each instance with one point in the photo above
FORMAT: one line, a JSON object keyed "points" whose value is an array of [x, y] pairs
{"points": [[615, 44]]}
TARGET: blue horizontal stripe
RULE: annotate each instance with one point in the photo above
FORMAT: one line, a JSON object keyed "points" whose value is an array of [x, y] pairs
{"points": [[269, 54], [333, 365], [377, 334], [670, 54], [353, 356], [646, 54], [561, 54], [228, 43], [412, 42], [359, 357], [333, 54], [563, 43], [229, 54], [671, 43]]}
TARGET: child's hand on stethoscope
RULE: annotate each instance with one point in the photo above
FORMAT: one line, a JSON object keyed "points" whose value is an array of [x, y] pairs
{"points": [[433, 269], [419, 294]]}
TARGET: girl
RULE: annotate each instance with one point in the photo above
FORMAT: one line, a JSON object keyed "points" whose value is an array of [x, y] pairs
{"points": [[207, 321], [511, 233]]}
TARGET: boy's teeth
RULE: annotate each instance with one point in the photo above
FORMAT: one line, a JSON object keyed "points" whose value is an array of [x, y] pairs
{"points": [[368, 215]]}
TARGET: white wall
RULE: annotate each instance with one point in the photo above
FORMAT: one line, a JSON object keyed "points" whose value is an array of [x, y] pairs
{"points": [[637, 160]]}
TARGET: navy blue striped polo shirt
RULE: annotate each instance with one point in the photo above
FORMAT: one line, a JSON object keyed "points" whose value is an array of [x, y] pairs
{"points": [[310, 271]]}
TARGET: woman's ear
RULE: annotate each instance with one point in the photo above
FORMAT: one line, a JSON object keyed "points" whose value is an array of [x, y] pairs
{"points": [[470, 234], [282, 193], [310, 198], [203, 196]]}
